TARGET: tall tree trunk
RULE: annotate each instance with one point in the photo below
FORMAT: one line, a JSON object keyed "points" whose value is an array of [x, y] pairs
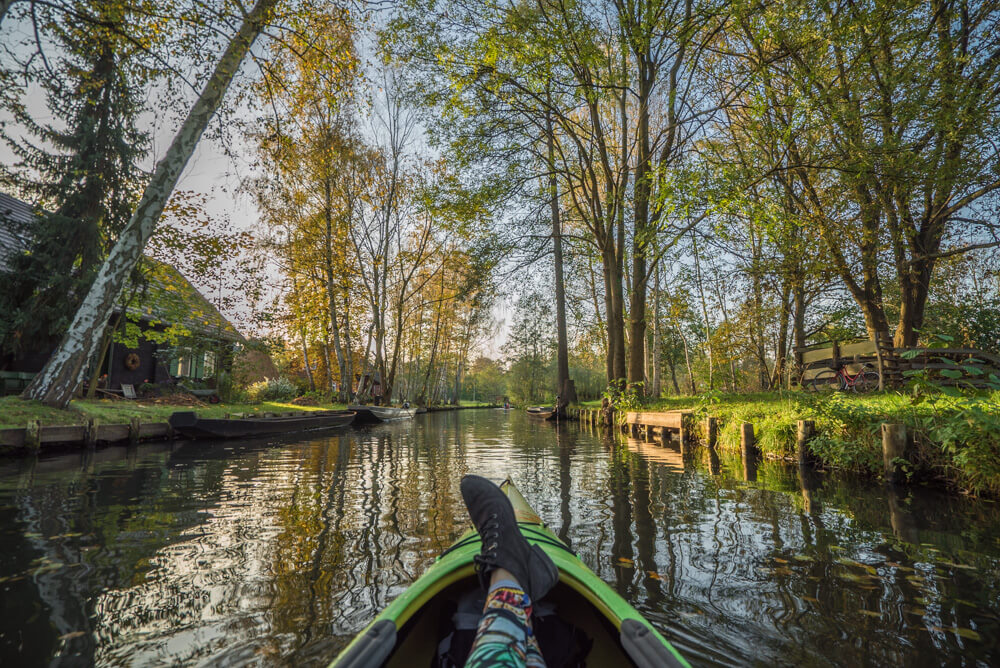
{"points": [[434, 347], [704, 313], [331, 292], [641, 231], [305, 358], [327, 370], [657, 382], [687, 360], [109, 334], [562, 342], [781, 349], [55, 384]]}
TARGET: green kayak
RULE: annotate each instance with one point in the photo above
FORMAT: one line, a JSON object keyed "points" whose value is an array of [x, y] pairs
{"points": [[413, 628]]}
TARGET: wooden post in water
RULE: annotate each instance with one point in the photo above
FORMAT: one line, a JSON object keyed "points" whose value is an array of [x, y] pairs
{"points": [[893, 447], [749, 449], [649, 432], [711, 432], [33, 435], [634, 429], [134, 426], [90, 432], [803, 434], [713, 462], [684, 436], [747, 442]]}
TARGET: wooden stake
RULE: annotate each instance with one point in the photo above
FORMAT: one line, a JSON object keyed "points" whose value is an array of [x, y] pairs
{"points": [[33, 435], [134, 429], [649, 432], [711, 432], [747, 442], [893, 447], [804, 433], [90, 432]]}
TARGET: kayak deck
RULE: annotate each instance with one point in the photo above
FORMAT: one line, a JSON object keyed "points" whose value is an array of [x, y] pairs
{"points": [[408, 630]]}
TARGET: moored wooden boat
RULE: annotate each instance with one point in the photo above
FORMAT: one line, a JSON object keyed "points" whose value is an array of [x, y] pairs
{"points": [[189, 424], [604, 629], [542, 412], [376, 414]]}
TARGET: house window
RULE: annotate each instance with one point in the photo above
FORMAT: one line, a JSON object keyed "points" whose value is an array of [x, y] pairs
{"points": [[196, 366]]}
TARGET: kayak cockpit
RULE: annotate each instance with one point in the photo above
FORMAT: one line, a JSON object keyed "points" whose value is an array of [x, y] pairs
{"points": [[571, 631]]}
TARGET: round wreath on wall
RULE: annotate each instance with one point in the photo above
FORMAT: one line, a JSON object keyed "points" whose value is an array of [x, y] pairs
{"points": [[132, 361]]}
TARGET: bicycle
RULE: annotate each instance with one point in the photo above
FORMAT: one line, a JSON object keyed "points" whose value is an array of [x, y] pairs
{"points": [[865, 380]]}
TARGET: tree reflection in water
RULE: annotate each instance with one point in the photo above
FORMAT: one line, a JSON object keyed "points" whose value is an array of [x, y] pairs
{"points": [[278, 552]]}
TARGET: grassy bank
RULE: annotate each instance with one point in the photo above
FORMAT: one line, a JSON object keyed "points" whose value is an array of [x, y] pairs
{"points": [[15, 412], [956, 439]]}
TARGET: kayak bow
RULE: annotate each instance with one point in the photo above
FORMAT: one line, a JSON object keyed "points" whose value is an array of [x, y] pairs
{"points": [[406, 632]]}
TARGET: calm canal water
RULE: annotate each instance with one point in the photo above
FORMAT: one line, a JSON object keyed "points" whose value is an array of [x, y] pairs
{"points": [[277, 553]]}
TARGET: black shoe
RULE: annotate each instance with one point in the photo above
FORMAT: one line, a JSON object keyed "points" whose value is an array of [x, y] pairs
{"points": [[503, 545]]}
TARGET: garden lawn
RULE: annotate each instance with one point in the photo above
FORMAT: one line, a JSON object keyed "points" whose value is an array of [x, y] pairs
{"points": [[15, 412]]}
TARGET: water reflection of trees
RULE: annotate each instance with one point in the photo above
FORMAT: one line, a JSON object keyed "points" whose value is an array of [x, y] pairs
{"points": [[788, 565], [258, 553]]}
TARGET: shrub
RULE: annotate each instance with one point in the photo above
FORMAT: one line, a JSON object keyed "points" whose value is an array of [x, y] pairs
{"points": [[272, 389]]}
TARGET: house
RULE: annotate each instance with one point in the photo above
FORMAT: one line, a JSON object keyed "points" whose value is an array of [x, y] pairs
{"points": [[171, 331]]}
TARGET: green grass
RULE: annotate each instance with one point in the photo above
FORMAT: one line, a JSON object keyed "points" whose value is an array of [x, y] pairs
{"points": [[955, 438], [15, 412]]}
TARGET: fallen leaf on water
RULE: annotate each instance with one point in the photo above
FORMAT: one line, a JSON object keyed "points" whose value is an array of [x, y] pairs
{"points": [[898, 566], [653, 575], [965, 633], [844, 561], [781, 561], [915, 579], [871, 613], [919, 612], [810, 599], [952, 564], [850, 576], [74, 634], [837, 548], [627, 563], [802, 557], [921, 600], [782, 571]]}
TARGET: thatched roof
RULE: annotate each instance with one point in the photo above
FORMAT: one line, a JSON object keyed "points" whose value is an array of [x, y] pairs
{"points": [[167, 297]]}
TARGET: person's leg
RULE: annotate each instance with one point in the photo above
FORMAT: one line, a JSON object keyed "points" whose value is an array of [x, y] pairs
{"points": [[513, 572], [505, 637]]}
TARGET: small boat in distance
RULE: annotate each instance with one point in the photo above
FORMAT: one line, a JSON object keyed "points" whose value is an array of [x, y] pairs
{"points": [[189, 424], [376, 414], [590, 621], [542, 412]]}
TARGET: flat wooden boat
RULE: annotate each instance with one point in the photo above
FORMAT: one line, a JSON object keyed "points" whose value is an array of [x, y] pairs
{"points": [[189, 424], [542, 412], [376, 414], [582, 620]]}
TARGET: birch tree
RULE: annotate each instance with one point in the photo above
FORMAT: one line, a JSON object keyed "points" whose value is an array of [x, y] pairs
{"points": [[62, 374]]}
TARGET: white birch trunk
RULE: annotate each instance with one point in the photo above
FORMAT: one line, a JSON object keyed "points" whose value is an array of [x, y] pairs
{"points": [[63, 373]]}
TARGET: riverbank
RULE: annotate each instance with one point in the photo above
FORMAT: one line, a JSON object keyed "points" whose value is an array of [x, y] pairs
{"points": [[954, 440], [16, 413]]}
